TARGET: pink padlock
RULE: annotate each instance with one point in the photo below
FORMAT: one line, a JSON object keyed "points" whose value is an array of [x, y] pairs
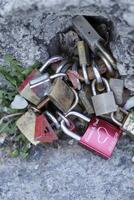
{"points": [[100, 135]]}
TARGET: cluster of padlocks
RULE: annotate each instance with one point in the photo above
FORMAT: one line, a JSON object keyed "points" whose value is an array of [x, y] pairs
{"points": [[62, 93]]}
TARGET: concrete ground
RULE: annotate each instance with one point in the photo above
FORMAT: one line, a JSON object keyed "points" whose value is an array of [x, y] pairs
{"points": [[69, 172]]}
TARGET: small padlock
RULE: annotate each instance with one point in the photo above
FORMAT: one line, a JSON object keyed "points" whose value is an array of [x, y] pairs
{"points": [[93, 39], [63, 97], [99, 136], [26, 124], [105, 102], [25, 90], [42, 84], [117, 86], [43, 130], [127, 123]]}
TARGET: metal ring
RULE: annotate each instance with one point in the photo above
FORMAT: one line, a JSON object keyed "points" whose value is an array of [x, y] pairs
{"points": [[51, 60], [53, 119], [64, 119], [100, 83], [107, 63], [85, 74]]}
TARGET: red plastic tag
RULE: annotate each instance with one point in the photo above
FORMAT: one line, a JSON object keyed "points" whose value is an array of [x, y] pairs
{"points": [[43, 130], [101, 137]]}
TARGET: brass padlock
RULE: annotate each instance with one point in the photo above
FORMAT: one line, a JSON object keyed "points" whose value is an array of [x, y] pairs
{"points": [[103, 103], [127, 123], [63, 97], [25, 90], [26, 124]]}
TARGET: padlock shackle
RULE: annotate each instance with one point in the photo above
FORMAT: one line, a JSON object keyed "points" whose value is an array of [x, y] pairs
{"points": [[63, 64], [98, 77], [77, 114], [115, 120], [105, 54], [68, 132], [75, 101], [64, 118], [94, 88], [107, 63], [37, 81], [51, 60], [52, 118], [85, 73]]}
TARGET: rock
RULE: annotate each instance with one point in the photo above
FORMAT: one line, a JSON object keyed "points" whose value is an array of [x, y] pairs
{"points": [[19, 103], [129, 83], [129, 104]]}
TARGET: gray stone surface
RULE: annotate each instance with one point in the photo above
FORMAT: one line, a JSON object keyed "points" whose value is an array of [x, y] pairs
{"points": [[26, 29]]}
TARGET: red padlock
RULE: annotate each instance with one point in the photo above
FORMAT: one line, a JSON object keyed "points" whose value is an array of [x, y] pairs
{"points": [[43, 130], [25, 90], [99, 136]]}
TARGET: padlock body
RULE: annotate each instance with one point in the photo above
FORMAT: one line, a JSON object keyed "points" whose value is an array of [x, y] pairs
{"points": [[43, 130], [128, 125], [25, 90], [61, 95], [104, 103], [101, 137], [26, 124]]}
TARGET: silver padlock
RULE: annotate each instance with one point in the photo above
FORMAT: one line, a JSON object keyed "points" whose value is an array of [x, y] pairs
{"points": [[127, 124], [103, 103], [94, 40]]}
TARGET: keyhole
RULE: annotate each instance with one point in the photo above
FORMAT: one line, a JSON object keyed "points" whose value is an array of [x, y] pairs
{"points": [[46, 130], [89, 32]]}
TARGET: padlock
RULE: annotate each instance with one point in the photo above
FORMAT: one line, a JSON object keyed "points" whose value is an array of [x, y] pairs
{"points": [[100, 136], [44, 132], [25, 90], [63, 97], [117, 86], [73, 77], [42, 84], [83, 59], [26, 124], [103, 103], [93, 39], [127, 124]]}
